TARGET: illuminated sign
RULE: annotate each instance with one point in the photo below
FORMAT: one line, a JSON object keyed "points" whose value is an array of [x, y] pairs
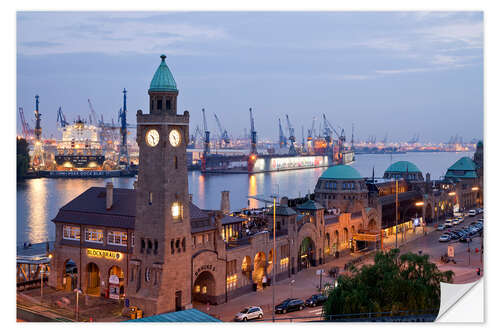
{"points": [[104, 254]]}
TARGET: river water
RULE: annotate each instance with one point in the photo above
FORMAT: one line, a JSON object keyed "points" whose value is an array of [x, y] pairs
{"points": [[38, 200]]}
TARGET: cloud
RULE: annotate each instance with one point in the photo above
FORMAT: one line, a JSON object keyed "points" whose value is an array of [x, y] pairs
{"points": [[108, 33]]}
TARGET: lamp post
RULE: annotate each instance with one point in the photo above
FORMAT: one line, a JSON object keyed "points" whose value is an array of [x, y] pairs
{"points": [[291, 288], [396, 213], [421, 204], [78, 292], [274, 241], [42, 271]]}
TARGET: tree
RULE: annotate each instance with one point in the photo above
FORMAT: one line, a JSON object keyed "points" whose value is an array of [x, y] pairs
{"points": [[394, 283], [23, 158]]}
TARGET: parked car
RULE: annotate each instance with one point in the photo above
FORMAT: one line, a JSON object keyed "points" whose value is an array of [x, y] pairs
{"points": [[315, 300], [455, 222], [448, 223], [444, 238], [251, 312], [472, 212], [440, 227], [464, 239], [479, 210], [290, 304]]}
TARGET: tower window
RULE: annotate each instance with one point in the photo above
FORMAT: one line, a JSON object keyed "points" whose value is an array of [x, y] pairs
{"points": [[167, 104], [177, 245], [172, 250], [143, 245], [150, 245], [155, 250], [175, 162], [159, 104], [150, 200], [176, 210], [184, 245]]}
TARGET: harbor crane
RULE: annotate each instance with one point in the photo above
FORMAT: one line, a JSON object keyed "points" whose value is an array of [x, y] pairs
{"points": [[224, 137], [61, 118], [123, 157], [282, 135], [93, 118], [26, 128], [310, 131], [197, 136], [329, 129], [291, 137], [253, 135], [206, 143]]}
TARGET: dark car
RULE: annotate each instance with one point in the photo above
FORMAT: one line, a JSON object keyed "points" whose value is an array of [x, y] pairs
{"points": [[315, 300], [290, 304]]}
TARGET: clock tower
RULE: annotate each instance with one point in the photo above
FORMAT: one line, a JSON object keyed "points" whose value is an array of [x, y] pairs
{"points": [[159, 270]]}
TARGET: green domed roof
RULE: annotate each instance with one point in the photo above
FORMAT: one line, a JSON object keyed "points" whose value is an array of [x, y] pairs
{"points": [[163, 80], [402, 166], [341, 172], [463, 164]]}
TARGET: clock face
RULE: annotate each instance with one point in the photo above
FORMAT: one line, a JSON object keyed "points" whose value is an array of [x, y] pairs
{"points": [[152, 137], [174, 137]]}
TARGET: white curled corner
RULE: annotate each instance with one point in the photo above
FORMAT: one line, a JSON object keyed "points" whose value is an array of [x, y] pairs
{"points": [[466, 299]]}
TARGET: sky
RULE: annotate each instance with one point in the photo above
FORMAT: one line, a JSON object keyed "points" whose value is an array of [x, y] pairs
{"points": [[387, 73]]}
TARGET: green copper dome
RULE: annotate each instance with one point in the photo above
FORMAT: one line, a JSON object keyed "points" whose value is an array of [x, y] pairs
{"points": [[163, 80], [341, 172], [402, 167]]}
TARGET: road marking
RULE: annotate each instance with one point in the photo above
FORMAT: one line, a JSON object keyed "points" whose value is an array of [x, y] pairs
{"points": [[317, 311]]}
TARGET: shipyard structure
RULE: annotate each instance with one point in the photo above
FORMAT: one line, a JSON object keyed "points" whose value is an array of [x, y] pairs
{"points": [[153, 246]]}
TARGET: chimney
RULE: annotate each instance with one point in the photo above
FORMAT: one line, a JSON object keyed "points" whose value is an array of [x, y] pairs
{"points": [[224, 202], [109, 195]]}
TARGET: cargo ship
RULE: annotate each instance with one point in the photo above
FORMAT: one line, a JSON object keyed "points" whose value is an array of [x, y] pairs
{"points": [[255, 163], [79, 148]]}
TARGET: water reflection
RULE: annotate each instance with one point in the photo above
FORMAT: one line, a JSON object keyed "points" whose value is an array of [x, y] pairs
{"points": [[38, 200]]}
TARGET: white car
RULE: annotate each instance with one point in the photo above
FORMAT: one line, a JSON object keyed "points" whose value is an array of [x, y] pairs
{"points": [[440, 227], [456, 221], [472, 212], [444, 238], [251, 312], [448, 223]]}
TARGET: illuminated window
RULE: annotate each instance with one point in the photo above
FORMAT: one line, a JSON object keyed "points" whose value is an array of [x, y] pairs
{"points": [[197, 289], [204, 290], [94, 235], [176, 210], [284, 264], [150, 198], [231, 282], [71, 232], [117, 238]]}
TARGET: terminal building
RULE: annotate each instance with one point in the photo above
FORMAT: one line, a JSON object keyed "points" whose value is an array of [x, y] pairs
{"points": [[153, 246]]}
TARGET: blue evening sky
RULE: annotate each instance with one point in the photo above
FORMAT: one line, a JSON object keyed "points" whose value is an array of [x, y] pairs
{"points": [[399, 73]]}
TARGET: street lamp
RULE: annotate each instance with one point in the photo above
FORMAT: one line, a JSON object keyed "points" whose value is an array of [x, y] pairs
{"points": [[421, 204], [291, 288], [42, 271], [274, 196], [78, 292]]}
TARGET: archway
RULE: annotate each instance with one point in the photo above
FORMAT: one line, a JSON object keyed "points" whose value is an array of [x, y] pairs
{"points": [[246, 268], [93, 279], [372, 225], [116, 280], [345, 237], [327, 247], [306, 254], [70, 275], [204, 288], [337, 241], [259, 269]]}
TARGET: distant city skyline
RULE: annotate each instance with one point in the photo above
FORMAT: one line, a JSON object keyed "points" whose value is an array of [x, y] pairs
{"points": [[394, 73]]}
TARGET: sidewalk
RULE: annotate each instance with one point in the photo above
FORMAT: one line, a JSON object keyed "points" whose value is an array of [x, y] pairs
{"points": [[407, 237]]}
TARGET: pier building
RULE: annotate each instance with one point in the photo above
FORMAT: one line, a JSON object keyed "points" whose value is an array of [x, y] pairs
{"points": [[153, 246]]}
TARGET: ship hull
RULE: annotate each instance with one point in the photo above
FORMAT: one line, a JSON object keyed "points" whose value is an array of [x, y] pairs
{"points": [[267, 163], [80, 161]]}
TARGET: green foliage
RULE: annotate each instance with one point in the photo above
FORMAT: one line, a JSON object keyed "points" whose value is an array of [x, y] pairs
{"points": [[22, 157], [407, 282]]}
